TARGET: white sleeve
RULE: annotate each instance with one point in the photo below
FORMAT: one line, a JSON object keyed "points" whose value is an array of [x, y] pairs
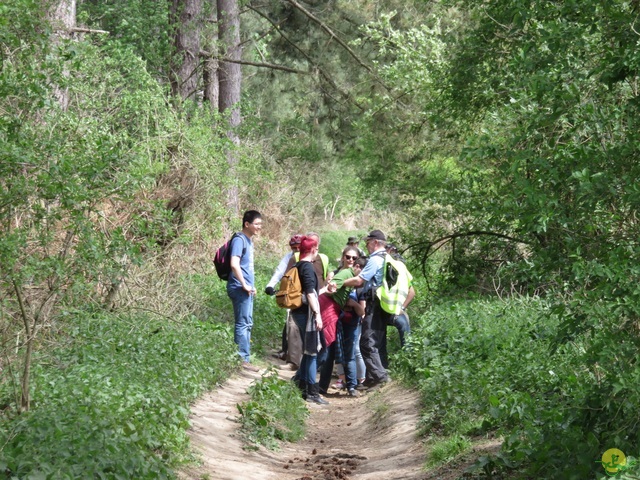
{"points": [[280, 270]]}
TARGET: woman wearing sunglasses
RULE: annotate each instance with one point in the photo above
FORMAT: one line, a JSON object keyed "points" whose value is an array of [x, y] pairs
{"points": [[341, 313]]}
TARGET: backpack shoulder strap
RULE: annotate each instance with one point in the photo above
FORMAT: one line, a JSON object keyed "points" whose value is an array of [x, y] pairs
{"points": [[241, 237]]}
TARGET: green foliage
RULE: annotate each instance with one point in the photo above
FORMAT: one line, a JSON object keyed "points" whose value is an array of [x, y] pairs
{"points": [[507, 366], [67, 169], [276, 412], [446, 449], [63, 171], [142, 25], [516, 119], [333, 242], [113, 400], [269, 319]]}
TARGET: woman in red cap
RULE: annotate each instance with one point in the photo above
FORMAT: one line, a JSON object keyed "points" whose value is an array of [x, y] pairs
{"points": [[294, 244]]}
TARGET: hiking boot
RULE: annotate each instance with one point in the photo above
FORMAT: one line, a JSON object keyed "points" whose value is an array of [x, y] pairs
{"points": [[353, 393], [316, 399], [313, 394], [369, 383]]}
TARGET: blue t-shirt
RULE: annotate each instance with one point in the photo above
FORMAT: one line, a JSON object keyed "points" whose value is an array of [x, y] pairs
{"points": [[239, 244], [372, 271]]}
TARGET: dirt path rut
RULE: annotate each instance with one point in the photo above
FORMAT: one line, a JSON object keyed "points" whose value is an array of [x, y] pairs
{"points": [[372, 437]]}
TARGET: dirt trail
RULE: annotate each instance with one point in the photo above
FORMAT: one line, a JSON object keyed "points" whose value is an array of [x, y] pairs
{"points": [[367, 438]]}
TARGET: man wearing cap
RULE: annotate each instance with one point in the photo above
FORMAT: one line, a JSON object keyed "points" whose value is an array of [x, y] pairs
{"points": [[294, 244], [355, 242], [374, 324], [281, 269], [393, 251]]}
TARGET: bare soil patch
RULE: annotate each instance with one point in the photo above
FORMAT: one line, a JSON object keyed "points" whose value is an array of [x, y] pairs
{"points": [[371, 437]]}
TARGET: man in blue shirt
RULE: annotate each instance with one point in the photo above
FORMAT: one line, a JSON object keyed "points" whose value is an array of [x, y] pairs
{"points": [[241, 285], [374, 323]]}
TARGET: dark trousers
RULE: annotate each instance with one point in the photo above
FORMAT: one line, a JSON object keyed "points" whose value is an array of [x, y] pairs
{"points": [[308, 369], [285, 344], [374, 328]]}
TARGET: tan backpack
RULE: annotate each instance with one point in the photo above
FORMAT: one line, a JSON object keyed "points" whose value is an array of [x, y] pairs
{"points": [[290, 293]]}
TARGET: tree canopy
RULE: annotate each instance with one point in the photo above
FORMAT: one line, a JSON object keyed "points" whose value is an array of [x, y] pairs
{"points": [[498, 141]]}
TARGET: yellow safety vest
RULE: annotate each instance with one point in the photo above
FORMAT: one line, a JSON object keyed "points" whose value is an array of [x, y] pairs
{"points": [[323, 258], [396, 280]]}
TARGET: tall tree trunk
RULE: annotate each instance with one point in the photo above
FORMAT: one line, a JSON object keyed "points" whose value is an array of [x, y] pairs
{"points": [[211, 65], [185, 17], [229, 81], [62, 16]]}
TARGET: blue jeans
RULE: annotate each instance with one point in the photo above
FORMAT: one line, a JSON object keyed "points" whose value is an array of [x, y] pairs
{"points": [[243, 314], [401, 322], [348, 335], [350, 338]]}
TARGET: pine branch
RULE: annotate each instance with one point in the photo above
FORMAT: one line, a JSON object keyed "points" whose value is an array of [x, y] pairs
{"points": [[330, 32], [324, 27], [316, 66], [273, 66]]}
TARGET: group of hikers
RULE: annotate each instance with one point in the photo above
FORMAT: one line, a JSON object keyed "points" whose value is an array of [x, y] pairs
{"points": [[342, 319]]}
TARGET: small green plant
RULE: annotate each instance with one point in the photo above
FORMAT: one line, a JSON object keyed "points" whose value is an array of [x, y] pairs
{"points": [[446, 449], [274, 413], [378, 406]]}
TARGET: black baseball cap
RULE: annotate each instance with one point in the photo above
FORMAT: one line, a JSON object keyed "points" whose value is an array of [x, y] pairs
{"points": [[376, 235]]}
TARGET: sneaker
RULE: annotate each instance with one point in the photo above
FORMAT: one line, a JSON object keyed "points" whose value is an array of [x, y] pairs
{"points": [[353, 392], [288, 366], [339, 385], [251, 368], [361, 386], [317, 399]]}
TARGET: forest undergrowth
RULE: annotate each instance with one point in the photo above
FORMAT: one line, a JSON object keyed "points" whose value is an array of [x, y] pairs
{"points": [[111, 400], [500, 368]]}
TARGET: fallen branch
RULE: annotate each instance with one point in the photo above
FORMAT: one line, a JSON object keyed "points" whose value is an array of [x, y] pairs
{"points": [[86, 30], [433, 246]]}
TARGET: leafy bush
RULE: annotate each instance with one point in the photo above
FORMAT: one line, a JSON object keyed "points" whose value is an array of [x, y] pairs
{"points": [[558, 396], [276, 411], [486, 366], [113, 400]]}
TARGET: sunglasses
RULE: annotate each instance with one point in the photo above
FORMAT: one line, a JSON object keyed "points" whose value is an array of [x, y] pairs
{"points": [[351, 257]]}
